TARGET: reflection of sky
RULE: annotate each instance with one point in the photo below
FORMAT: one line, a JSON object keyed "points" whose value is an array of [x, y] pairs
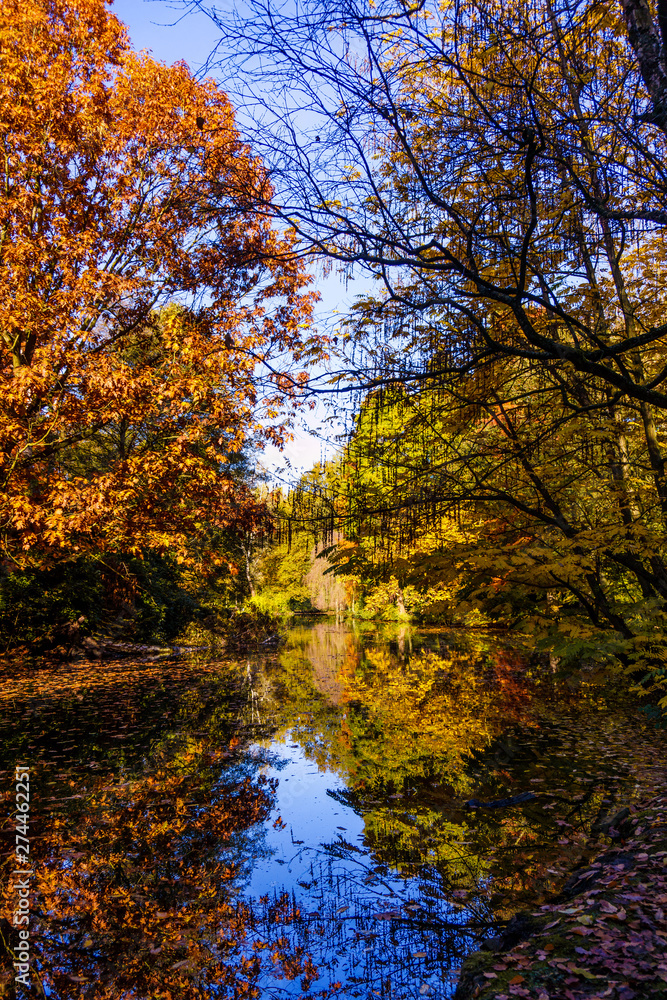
{"points": [[348, 902], [308, 814]]}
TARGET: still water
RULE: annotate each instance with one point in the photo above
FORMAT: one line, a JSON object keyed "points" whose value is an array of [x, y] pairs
{"points": [[295, 823]]}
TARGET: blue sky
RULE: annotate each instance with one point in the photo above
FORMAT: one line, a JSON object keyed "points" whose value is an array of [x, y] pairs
{"points": [[170, 35]]}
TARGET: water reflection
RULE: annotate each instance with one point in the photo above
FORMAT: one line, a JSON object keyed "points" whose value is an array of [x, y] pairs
{"points": [[296, 823], [364, 727], [135, 827], [365, 926]]}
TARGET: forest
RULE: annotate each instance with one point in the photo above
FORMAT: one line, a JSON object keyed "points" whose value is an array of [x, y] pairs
{"points": [[460, 610], [502, 389]]}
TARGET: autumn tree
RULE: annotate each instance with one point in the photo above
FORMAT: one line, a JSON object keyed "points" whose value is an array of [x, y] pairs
{"points": [[500, 172], [152, 322]]}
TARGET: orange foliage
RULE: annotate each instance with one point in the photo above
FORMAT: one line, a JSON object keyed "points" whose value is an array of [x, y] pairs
{"points": [[150, 320], [137, 860]]}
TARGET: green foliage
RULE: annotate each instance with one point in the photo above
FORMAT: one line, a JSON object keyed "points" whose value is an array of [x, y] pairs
{"points": [[32, 601], [506, 515], [280, 578], [149, 600], [471, 540], [384, 600]]}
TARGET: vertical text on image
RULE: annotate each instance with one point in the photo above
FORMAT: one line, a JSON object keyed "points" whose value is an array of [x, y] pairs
{"points": [[21, 883]]}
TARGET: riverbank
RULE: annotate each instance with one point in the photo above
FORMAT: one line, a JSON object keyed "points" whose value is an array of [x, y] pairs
{"points": [[234, 632], [603, 935]]}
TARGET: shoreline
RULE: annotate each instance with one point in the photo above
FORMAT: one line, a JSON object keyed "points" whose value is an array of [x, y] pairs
{"points": [[603, 935]]}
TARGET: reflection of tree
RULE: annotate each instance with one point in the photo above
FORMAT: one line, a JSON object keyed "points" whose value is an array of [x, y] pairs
{"points": [[368, 931], [416, 720], [328, 648], [131, 889], [408, 731], [134, 887], [299, 692], [407, 720], [416, 734]]}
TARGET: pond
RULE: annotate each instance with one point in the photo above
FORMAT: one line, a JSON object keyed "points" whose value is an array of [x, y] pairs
{"points": [[312, 821]]}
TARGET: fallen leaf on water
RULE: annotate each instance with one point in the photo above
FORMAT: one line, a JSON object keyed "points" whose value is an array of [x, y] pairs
{"points": [[586, 973]]}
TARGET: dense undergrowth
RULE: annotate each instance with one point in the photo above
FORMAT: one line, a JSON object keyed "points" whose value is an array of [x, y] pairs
{"points": [[137, 601]]}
